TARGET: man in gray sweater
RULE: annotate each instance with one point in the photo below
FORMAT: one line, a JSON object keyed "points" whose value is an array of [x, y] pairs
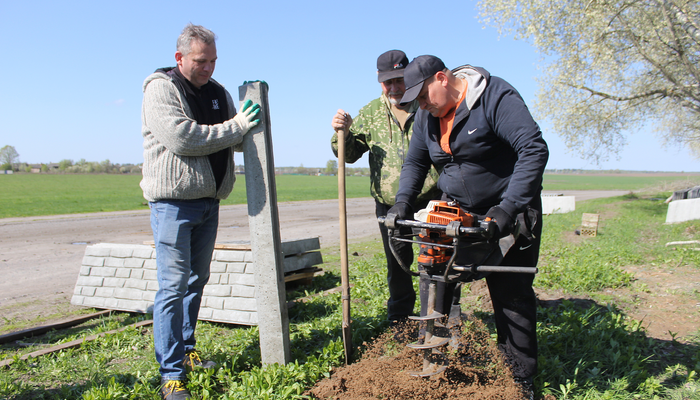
{"points": [[190, 128]]}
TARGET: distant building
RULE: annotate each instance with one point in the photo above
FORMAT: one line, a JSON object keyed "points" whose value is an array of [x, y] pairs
{"points": [[36, 168]]}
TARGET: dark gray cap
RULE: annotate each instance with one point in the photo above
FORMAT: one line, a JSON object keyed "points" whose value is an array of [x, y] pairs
{"points": [[391, 65], [420, 69]]}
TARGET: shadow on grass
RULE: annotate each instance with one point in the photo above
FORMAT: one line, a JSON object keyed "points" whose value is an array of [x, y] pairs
{"points": [[585, 346], [328, 280], [105, 386]]}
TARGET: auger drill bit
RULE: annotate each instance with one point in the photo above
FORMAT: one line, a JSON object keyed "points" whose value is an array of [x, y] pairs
{"points": [[434, 361]]}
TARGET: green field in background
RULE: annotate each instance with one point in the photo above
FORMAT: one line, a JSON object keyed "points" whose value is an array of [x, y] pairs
{"points": [[634, 182], [23, 195]]}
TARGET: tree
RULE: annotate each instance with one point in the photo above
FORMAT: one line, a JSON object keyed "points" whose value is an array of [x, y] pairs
{"points": [[610, 67], [65, 164], [331, 167], [8, 156]]}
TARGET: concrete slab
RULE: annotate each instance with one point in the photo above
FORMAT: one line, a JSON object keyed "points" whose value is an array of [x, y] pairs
{"points": [[683, 210], [558, 204]]}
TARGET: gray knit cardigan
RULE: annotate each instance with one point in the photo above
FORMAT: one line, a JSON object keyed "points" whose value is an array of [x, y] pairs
{"points": [[175, 146]]}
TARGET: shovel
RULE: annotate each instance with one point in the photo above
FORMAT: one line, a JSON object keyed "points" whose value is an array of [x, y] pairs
{"points": [[344, 276]]}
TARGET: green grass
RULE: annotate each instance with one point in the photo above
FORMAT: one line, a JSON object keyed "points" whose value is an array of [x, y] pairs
{"points": [[305, 187], [594, 351], [618, 182], [24, 195], [587, 349], [122, 366]]}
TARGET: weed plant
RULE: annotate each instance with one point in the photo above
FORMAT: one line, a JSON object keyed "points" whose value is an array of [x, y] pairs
{"points": [[588, 347]]}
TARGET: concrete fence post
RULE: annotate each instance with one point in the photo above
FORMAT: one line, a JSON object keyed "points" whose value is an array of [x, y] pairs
{"points": [[265, 240]]}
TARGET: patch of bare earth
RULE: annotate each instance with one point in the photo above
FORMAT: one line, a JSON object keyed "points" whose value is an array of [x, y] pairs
{"points": [[475, 371], [666, 299]]}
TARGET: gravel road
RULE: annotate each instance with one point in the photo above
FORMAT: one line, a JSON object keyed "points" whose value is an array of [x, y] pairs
{"points": [[40, 257]]}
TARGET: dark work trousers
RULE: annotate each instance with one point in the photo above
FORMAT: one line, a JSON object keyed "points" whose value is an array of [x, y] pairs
{"points": [[515, 308], [402, 296], [513, 299]]}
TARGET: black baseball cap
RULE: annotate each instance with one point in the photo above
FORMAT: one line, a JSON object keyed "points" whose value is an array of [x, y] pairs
{"points": [[391, 65], [420, 69]]}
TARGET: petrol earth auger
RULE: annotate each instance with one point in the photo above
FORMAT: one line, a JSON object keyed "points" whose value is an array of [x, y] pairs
{"points": [[454, 247]]}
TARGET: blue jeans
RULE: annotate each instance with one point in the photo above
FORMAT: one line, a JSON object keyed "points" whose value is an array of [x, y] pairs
{"points": [[184, 232]]}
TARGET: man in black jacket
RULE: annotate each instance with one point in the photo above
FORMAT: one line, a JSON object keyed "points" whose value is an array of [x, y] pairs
{"points": [[477, 130]]}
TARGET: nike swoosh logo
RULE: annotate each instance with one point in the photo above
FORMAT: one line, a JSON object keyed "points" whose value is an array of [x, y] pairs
{"points": [[525, 247], [471, 131]]}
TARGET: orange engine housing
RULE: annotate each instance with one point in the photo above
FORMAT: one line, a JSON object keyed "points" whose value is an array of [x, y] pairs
{"points": [[431, 256]]}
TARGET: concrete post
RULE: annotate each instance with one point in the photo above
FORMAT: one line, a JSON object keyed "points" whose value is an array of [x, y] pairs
{"points": [[265, 241]]}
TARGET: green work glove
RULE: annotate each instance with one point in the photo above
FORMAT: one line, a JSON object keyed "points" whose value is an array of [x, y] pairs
{"points": [[263, 82], [244, 119]]}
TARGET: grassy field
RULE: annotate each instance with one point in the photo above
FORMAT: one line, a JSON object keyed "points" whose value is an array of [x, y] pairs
{"points": [[589, 350], [631, 182], [24, 195]]}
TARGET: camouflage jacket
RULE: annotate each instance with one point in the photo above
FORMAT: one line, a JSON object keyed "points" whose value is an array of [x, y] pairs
{"points": [[375, 129]]}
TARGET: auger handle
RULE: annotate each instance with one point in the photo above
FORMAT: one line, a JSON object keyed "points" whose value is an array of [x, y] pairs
{"points": [[453, 229]]}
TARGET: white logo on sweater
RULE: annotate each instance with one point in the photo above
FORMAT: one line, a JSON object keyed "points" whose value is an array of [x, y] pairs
{"points": [[215, 104]]}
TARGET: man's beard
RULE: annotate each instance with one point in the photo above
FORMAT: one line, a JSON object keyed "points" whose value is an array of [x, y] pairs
{"points": [[394, 101]]}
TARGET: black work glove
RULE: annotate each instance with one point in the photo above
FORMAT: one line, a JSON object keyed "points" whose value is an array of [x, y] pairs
{"points": [[402, 210], [505, 224]]}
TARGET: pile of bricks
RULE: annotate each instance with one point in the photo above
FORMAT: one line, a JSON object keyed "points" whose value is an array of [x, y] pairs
{"points": [[123, 277]]}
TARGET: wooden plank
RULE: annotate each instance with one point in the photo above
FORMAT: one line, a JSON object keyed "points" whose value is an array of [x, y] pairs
{"points": [[288, 247], [40, 330], [74, 343], [217, 246], [232, 246], [683, 242], [302, 274]]}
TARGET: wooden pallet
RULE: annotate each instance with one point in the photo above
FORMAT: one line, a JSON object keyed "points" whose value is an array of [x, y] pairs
{"points": [[302, 276]]}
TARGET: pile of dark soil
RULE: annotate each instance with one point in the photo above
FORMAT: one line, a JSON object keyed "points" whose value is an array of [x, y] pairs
{"points": [[475, 370]]}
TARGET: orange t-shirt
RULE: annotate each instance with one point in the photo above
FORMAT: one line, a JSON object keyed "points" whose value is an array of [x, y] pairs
{"points": [[446, 123]]}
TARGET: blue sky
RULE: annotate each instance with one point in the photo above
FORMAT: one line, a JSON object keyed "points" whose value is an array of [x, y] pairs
{"points": [[73, 71]]}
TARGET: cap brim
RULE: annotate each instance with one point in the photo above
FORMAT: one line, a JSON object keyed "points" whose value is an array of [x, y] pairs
{"points": [[411, 93], [386, 75]]}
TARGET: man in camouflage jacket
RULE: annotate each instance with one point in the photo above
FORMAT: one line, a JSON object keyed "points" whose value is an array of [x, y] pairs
{"points": [[384, 128]]}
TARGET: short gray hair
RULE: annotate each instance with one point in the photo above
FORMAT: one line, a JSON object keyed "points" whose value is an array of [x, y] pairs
{"points": [[198, 32]]}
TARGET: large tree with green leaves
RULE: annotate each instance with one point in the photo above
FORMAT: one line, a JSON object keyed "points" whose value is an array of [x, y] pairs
{"points": [[611, 67], [8, 156], [331, 167]]}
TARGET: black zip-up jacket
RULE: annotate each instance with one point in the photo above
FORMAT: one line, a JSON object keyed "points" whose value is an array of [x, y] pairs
{"points": [[498, 153], [209, 106]]}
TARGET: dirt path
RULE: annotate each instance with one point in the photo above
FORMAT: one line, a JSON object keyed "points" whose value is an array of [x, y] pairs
{"points": [[40, 257]]}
